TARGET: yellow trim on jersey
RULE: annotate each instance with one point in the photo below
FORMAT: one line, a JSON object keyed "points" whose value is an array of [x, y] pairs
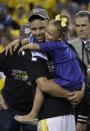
{"points": [[43, 125], [2, 81]]}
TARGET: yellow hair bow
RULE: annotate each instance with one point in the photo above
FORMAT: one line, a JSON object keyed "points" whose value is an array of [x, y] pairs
{"points": [[63, 20]]}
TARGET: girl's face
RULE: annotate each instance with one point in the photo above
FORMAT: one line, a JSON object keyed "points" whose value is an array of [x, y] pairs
{"points": [[51, 33]]}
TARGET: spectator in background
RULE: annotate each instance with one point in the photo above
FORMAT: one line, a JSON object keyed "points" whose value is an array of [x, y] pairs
{"points": [[71, 6], [20, 15], [6, 25], [82, 46]]}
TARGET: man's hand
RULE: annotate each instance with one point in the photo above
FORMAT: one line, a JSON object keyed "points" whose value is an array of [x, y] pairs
{"points": [[25, 41], [12, 47], [2, 103], [76, 98], [78, 95], [27, 46], [80, 126]]}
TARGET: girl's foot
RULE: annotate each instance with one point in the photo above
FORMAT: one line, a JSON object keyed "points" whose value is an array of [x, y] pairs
{"points": [[26, 119]]}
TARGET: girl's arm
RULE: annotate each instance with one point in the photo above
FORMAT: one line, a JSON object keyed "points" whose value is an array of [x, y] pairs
{"points": [[29, 47], [44, 47]]}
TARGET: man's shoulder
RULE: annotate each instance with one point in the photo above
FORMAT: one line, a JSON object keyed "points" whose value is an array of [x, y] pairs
{"points": [[77, 44], [75, 41]]}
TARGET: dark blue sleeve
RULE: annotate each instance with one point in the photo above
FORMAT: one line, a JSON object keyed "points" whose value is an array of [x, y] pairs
{"points": [[51, 46]]}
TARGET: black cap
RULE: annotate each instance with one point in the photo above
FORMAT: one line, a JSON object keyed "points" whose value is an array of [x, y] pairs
{"points": [[38, 12], [25, 31]]}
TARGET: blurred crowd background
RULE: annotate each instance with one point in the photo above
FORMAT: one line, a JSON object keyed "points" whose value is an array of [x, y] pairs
{"points": [[14, 13]]}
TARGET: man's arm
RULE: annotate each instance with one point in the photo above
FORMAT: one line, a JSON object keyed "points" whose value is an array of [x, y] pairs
{"points": [[52, 88], [55, 90]]}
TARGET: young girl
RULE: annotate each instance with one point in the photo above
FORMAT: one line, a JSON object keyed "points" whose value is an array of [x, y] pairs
{"points": [[67, 70]]}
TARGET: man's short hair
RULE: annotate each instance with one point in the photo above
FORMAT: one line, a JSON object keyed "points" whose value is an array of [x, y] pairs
{"points": [[83, 14], [38, 13]]}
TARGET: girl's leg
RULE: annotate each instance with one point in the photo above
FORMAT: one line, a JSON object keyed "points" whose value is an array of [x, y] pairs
{"points": [[31, 118], [38, 101]]}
